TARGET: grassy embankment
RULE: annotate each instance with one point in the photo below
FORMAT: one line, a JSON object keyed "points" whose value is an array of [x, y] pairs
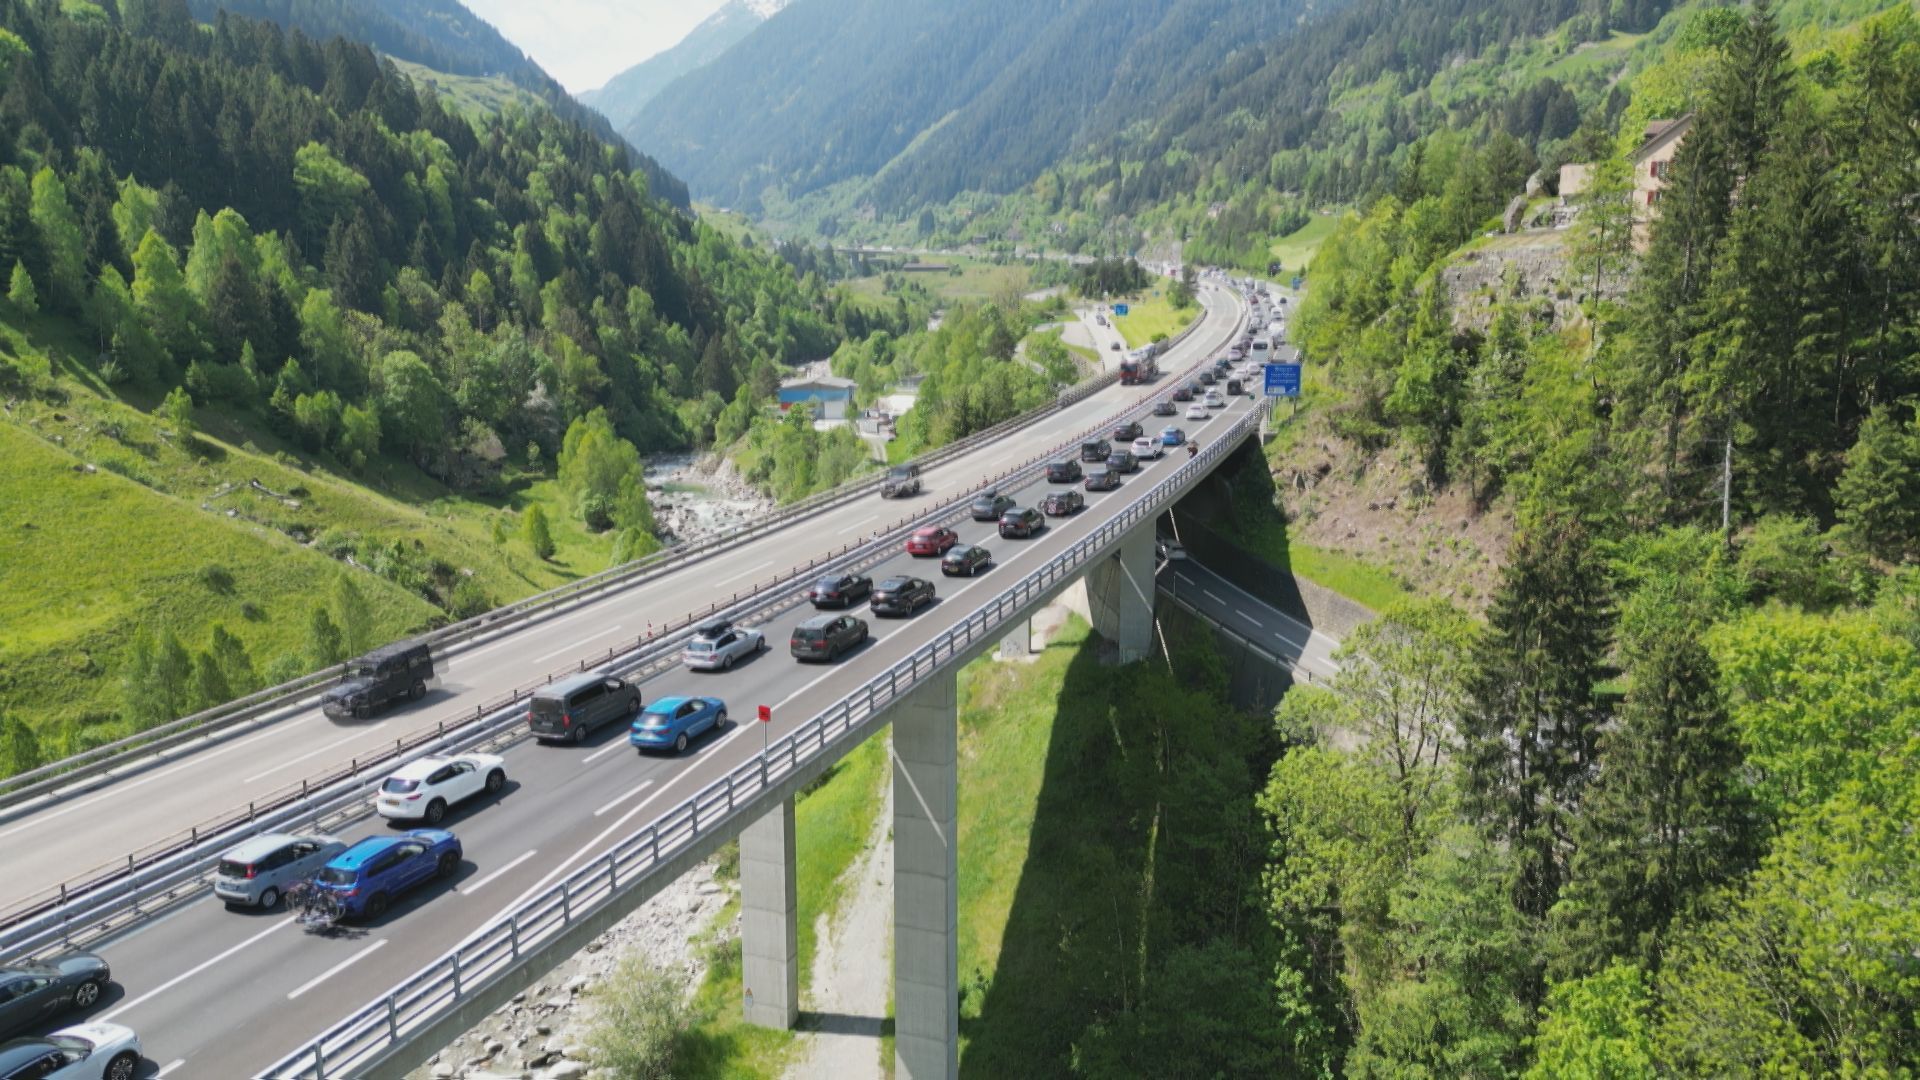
{"points": [[976, 279], [1151, 315], [71, 596], [1297, 249]]}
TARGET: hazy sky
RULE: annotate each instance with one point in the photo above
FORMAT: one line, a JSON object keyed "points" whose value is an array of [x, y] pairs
{"points": [[583, 43]]}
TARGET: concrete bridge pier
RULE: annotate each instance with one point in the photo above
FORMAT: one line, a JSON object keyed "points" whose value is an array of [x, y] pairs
{"points": [[1018, 644], [1120, 596], [926, 874], [769, 920]]}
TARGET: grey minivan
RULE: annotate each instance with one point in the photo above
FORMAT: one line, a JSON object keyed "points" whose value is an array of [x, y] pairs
{"points": [[567, 710], [257, 873]]}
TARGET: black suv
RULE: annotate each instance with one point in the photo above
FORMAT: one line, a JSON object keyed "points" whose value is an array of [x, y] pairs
{"points": [[825, 637], [902, 595], [1233, 386], [1063, 472], [1208, 378], [1063, 503], [990, 505], [1127, 432], [1021, 522], [381, 677], [965, 559], [901, 481], [1163, 407], [1096, 451], [1102, 479], [840, 590], [1123, 461]]}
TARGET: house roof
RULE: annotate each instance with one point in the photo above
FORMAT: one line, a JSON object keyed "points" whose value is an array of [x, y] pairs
{"points": [[1661, 134]]}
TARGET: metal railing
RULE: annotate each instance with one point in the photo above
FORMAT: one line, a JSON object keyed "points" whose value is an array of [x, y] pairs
{"points": [[113, 894], [375, 1029]]}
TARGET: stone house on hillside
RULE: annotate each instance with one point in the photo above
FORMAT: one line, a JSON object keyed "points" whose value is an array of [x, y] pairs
{"points": [[1654, 159]]}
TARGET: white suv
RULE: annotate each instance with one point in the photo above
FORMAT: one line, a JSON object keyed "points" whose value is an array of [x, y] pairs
{"points": [[1146, 449]]}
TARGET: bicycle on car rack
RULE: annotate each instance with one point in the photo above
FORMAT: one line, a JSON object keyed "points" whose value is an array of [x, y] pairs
{"points": [[314, 907]]}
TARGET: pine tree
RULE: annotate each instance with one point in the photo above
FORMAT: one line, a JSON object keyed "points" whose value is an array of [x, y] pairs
{"points": [[537, 534], [20, 290], [1879, 493], [177, 411], [324, 647], [353, 615], [1669, 817], [1529, 732]]}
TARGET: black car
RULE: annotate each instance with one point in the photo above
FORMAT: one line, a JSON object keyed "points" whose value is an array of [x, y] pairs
{"points": [[1163, 407], [1123, 461], [1063, 472], [825, 637], [381, 677], [1102, 479], [965, 559], [30, 993], [1183, 394], [1063, 503], [990, 505], [902, 595], [901, 481], [1208, 378], [1126, 432], [1095, 451], [1021, 522], [840, 590], [1233, 386]]}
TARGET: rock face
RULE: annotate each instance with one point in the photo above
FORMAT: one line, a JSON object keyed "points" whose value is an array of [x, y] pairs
{"points": [[541, 1034], [1528, 267]]}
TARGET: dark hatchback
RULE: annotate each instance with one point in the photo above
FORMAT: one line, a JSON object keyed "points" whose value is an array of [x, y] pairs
{"points": [[1020, 523], [1095, 451], [1102, 479], [1163, 407], [1063, 472], [1063, 503], [990, 505], [1123, 461], [1183, 394], [826, 637], [1208, 378], [31, 993], [1127, 432], [902, 595], [968, 559], [840, 590]]}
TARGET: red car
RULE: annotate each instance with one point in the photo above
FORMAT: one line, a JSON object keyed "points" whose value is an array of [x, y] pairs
{"points": [[931, 541]]}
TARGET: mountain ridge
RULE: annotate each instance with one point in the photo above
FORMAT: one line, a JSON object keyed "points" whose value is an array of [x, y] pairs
{"points": [[626, 94]]}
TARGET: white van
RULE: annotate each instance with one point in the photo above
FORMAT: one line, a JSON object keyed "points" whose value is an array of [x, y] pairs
{"points": [[1262, 350]]}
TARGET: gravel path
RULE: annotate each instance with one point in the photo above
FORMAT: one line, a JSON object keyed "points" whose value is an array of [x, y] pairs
{"points": [[852, 970]]}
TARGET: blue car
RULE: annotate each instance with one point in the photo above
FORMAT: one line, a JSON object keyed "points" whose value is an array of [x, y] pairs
{"points": [[367, 876], [1172, 436], [670, 721]]}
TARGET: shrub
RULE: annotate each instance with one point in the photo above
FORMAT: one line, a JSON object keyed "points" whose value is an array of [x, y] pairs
{"points": [[218, 578], [642, 1011]]}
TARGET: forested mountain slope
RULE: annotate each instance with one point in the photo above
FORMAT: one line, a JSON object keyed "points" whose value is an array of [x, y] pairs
{"points": [[929, 96], [438, 34], [629, 92], [320, 279]]}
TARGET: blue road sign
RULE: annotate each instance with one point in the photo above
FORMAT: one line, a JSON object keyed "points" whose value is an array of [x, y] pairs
{"points": [[1283, 380], [1120, 309]]}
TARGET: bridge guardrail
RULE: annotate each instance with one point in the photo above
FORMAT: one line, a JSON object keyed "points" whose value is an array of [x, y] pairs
{"points": [[158, 873], [376, 1028]]}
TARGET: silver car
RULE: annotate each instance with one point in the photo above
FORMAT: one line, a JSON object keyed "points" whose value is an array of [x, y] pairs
{"points": [[717, 646], [257, 873]]}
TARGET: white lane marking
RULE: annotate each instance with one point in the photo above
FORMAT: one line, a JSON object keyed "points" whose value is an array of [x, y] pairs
{"points": [[192, 971], [193, 757], [617, 744], [1212, 597], [469, 890], [740, 577], [852, 528], [291, 762], [1249, 618], [169, 1067], [644, 785], [569, 648], [338, 968], [1184, 578]]}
